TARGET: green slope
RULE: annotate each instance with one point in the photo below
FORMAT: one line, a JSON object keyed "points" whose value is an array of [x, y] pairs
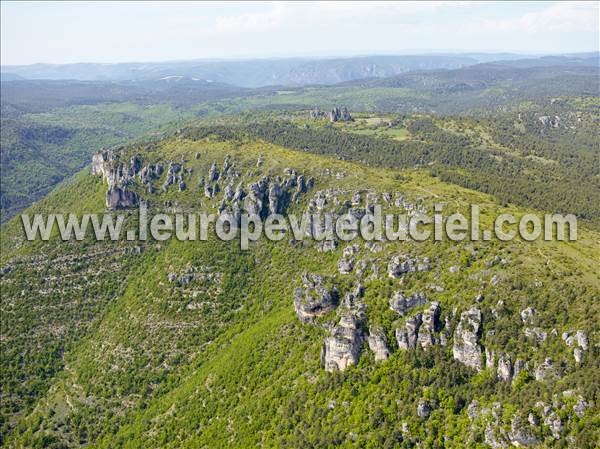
{"points": [[225, 362]]}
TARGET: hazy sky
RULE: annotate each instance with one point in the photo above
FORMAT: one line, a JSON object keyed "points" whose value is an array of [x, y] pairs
{"points": [[154, 31]]}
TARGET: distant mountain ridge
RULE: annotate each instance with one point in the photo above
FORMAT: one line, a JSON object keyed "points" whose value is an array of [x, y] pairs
{"points": [[257, 72]]}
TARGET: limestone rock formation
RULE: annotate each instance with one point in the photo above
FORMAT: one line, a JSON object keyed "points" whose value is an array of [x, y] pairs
{"points": [[505, 368], [466, 348], [378, 344], [430, 325], [407, 336], [342, 348], [313, 299], [400, 303]]}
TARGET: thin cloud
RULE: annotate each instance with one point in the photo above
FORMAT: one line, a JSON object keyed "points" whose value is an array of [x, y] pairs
{"points": [[557, 17]]}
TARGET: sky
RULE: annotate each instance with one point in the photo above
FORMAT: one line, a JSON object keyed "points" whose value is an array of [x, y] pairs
{"points": [[68, 32]]}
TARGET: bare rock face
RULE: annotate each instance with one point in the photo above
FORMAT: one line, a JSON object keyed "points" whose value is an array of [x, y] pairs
{"points": [[378, 344], [275, 194], [117, 175], [342, 348], [423, 409], [505, 368], [545, 370], [345, 266], [313, 299], [536, 334], [408, 335], [528, 315], [554, 423], [340, 114], [520, 435], [431, 324], [400, 303], [120, 198], [467, 334]]}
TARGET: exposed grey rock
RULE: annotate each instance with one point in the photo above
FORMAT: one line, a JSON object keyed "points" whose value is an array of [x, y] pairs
{"points": [[120, 198], [519, 366], [378, 344], [528, 315], [408, 335], [400, 265], [327, 245], [342, 348], [430, 325], [275, 194], [345, 266], [466, 348], [536, 334], [339, 114], [473, 410], [317, 114], [554, 423], [313, 299], [582, 340], [213, 173], [545, 370], [505, 368], [350, 250], [580, 407], [490, 359], [423, 409], [494, 437], [549, 121], [519, 435], [578, 355], [400, 303], [532, 419]]}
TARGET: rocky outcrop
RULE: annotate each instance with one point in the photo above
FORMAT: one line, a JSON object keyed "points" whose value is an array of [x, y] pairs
{"points": [[317, 114], [120, 198], [430, 324], [378, 344], [520, 435], [340, 114], [313, 299], [545, 370], [536, 334], [423, 409], [342, 348], [401, 304], [505, 368], [580, 341], [118, 175], [345, 266], [466, 348], [275, 196], [400, 265], [407, 335]]}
